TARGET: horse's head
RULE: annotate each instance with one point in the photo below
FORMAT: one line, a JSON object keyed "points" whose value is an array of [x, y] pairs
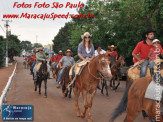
{"points": [[103, 66], [44, 68], [121, 60]]}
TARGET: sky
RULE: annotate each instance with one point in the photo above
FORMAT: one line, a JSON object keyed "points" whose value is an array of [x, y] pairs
{"points": [[29, 29]]}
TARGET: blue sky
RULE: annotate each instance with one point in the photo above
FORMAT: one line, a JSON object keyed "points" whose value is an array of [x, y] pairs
{"points": [[29, 28]]}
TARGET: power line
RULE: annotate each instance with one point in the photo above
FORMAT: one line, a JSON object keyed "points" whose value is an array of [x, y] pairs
{"points": [[2, 29]]}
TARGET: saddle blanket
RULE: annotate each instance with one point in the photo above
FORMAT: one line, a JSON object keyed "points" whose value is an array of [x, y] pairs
{"points": [[154, 91]]}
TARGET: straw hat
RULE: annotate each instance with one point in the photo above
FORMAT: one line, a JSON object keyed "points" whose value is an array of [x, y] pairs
{"points": [[86, 34], [41, 48], [68, 50], [60, 51], [112, 46]]}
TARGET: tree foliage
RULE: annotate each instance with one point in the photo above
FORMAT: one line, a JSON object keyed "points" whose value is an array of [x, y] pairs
{"points": [[118, 22], [2, 51], [26, 45]]}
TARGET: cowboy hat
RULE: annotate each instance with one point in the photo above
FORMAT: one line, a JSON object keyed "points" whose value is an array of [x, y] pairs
{"points": [[112, 46], [60, 51], [149, 30], [155, 40], [68, 50], [41, 48], [86, 34]]}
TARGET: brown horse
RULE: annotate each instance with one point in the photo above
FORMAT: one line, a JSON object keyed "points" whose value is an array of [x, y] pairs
{"points": [[134, 101], [56, 72], [115, 70], [65, 81], [87, 82]]}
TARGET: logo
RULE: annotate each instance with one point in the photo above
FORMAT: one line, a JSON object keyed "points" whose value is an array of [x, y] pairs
{"points": [[17, 112]]}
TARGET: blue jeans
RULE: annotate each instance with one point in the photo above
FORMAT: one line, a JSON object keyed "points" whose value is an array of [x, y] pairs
{"points": [[60, 76], [35, 71], [55, 66], [151, 64], [143, 68]]}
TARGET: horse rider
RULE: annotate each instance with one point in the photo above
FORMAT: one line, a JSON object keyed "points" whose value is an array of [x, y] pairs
{"points": [[59, 56], [40, 56], [67, 61], [85, 48], [143, 48], [34, 61], [154, 54], [52, 59], [99, 51], [112, 51]]}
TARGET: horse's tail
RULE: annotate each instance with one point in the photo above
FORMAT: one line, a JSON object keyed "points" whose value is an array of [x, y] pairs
{"points": [[122, 105]]}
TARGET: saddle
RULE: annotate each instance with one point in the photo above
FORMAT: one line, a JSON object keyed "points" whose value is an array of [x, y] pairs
{"points": [[76, 70]]}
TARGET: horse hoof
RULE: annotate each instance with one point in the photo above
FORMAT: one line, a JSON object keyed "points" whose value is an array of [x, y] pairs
{"points": [[69, 96], [45, 96], [82, 115], [39, 93], [63, 95], [146, 118], [90, 120], [35, 89]]}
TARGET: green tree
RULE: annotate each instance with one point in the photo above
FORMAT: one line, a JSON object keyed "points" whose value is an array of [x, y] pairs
{"points": [[2, 51], [26, 45], [14, 47], [37, 45]]}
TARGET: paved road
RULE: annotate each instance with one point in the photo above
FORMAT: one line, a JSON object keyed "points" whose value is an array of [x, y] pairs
{"points": [[55, 108]]}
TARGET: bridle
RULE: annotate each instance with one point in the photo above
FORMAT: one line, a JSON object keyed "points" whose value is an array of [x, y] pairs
{"points": [[97, 78]]}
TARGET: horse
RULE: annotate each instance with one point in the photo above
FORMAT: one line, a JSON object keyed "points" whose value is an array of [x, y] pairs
{"points": [[133, 101], [65, 81], [103, 82], [115, 70], [87, 82], [56, 72], [42, 74]]}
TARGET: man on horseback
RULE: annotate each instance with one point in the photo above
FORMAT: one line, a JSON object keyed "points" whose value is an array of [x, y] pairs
{"points": [[99, 51], [112, 51], [40, 56], [59, 56], [143, 49], [67, 61]]}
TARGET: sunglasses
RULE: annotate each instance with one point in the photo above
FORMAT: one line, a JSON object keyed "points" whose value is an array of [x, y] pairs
{"points": [[87, 37]]}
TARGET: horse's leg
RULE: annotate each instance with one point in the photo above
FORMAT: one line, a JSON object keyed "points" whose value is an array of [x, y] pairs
{"points": [[84, 94], [90, 105], [45, 81], [106, 88], [76, 96], [70, 92], [40, 81], [130, 117], [115, 88], [35, 83], [102, 90]]}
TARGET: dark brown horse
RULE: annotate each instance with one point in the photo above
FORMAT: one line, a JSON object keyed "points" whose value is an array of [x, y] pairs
{"points": [[115, 70], [42, 74], [133, 101], [87, 83], [56, 72], [65, 81]]}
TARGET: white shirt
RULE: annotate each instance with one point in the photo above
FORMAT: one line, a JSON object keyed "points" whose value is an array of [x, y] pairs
{"points": [[101, 52]]}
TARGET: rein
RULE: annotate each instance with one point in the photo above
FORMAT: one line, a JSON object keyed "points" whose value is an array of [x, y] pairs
{"points": [[98, 78]]}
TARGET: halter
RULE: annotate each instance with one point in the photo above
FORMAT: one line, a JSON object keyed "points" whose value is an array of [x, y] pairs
{"points": [[98, 78]]}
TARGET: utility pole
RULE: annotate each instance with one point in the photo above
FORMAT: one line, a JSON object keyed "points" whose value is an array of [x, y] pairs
{"points": [[7, 25], [36, 38]]}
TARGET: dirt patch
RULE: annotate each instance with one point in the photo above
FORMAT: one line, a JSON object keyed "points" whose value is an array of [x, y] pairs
{"points": [[5, 73]]}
